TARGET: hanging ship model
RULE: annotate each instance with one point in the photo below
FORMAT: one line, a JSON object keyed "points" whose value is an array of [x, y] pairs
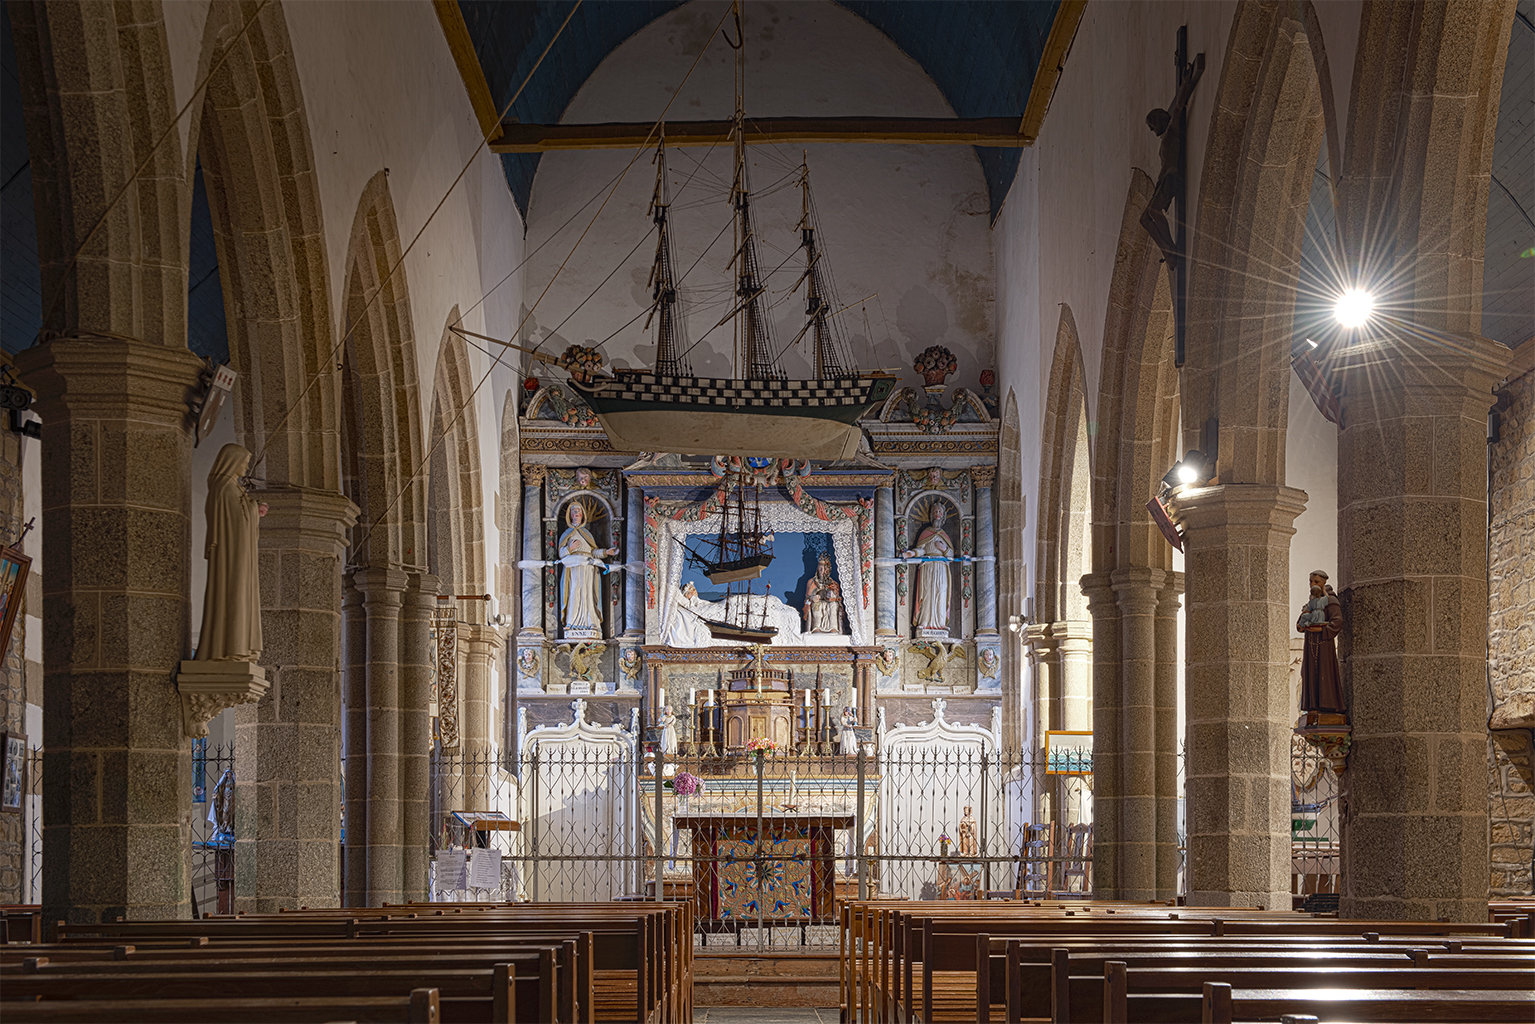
{"points": [[735, 557], [759, 411]]}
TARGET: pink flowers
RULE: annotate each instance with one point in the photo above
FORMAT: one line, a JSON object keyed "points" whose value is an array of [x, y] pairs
{"points": [[686, 784], [760, 745]]}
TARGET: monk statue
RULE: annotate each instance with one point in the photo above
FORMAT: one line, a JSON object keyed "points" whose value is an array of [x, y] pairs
{"points": [[231, 629], [1170, 178], [1321, 620], [823, 600]]}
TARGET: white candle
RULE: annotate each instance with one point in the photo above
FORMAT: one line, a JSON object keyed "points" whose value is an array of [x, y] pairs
{"points": [[826, 696], [854, 693], [661, 697], [692, 695], [807, 698], [710, 695]]}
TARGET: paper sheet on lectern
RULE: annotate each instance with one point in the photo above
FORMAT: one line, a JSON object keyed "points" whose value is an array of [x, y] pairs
{"points": [[450, 869], [484, 869]]}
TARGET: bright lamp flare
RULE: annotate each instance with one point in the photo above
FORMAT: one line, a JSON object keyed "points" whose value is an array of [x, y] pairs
{"points": [[1187, 474], [1354, 307]]}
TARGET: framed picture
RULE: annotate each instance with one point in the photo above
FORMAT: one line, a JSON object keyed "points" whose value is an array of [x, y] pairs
{"points": [[13, 586], [13, 773]]}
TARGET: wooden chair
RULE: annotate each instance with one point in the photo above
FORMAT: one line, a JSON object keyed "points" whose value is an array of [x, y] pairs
{"points": [[1077, 861], [1036, 869]]}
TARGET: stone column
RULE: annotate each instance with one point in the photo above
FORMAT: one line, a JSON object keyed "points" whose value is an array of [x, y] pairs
{"points": [[1136, 589], [532, 549], [1107, 744], [417, 655], [116, 538], [884, 547], [634, 551], [1169, 600], [481, 645], [288, 747], [986, 551], [1412, 510], [383, 592], [354, 743], [1237, 559]]}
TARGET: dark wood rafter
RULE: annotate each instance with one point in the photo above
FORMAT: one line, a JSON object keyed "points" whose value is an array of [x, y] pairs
{"points": [[999, 132]]}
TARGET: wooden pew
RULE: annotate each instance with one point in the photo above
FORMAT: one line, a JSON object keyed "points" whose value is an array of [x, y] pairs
{"points": [[419, 1007]]}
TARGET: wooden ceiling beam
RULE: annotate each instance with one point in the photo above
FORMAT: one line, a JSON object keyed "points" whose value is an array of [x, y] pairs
{"points": [[1001, 132]]}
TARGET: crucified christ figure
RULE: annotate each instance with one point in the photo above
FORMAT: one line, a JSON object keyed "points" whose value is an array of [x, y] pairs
{"points": [[1168, 124]]}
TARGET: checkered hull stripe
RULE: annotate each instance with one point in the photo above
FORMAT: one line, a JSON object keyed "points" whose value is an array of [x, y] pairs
{"points": [[714, 392]]}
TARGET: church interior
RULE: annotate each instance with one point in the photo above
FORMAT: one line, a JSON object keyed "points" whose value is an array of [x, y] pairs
{"points": [[737, 510]]}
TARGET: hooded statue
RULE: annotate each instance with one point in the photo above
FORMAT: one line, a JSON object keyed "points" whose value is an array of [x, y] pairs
{"points": [[231, 629]]}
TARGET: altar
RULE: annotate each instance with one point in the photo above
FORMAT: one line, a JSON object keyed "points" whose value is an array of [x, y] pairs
{"points": [[779, 873]]}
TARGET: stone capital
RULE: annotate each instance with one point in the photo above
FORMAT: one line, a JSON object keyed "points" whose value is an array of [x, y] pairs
{"points": [[94, 378], [1137, 588], [481, 640], [381, 586], [533, 474], [983, 476], [306, 519], [1449, 374], [1098, 588], [1237, 512]]}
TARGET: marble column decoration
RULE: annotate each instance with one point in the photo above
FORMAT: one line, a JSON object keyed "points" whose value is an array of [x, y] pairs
{"points": [[383, 591], [417, 655], [634, 551], [986, 550], [354, 742], [1169, 600], [1107, 741], [1136, 589], [532, 549], [287, 747], [116, 455], [1237, 560], [1412, 546], [884, 547]]}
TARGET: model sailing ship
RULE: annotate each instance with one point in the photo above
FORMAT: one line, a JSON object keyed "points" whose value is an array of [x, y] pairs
{"points": [[758, 412]]}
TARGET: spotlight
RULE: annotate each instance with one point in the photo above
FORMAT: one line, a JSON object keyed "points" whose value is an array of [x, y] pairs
{"points": [[1193, 469], [1354, 307]]}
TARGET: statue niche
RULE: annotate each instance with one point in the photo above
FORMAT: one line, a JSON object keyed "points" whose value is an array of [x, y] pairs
{"points": [[934, 551], [582, 556]]}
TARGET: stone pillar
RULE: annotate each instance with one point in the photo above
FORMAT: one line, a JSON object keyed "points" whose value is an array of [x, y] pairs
{"points": [[1169, 600], [1237, 559], [884, 547], [354, 743], [382, 593], [1104, 609], [1061, 656], [1136, 589], [532, 549], [1412, 494], [634, 551], [116, 539], [480, 652], [417, 655], [288, 747], [986, 552]]}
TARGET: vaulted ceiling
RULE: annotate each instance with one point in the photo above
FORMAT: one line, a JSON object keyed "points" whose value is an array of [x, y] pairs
{"points": [[982, 55]]}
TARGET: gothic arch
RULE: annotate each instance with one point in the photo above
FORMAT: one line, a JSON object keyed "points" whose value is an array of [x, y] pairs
{"points": [[381, 418], [1244, 263], [455, 527], [97, 100], [258, 165], [1064, 483]]}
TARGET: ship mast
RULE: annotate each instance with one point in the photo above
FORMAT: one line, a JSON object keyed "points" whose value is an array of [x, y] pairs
{"points": [[828, 361], [756, 359], [669, 363]]}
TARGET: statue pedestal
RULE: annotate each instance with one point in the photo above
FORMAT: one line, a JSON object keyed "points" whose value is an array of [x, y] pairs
{"points": [[208, 687], [932, 634], [581, 634]]}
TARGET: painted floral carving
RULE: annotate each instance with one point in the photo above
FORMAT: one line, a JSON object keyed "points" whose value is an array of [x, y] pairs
{"points": [[935, 363]]}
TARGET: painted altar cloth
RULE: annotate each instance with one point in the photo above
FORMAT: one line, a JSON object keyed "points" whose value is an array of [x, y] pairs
{"points": [[768, 877]]}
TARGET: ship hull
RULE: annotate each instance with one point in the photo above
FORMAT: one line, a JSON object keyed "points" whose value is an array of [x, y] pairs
{"points": [[790, 419], [745, 634], [744, 569]]}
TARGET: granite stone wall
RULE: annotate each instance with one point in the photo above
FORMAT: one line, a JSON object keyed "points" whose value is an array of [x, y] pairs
{"points": [[1511, 639], [13, 689]]}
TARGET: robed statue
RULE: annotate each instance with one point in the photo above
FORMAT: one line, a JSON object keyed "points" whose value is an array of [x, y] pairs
{"points": [[823, 600], [932, 611], [231, 629], [848, 739], [581, 584], [1321, 620]]}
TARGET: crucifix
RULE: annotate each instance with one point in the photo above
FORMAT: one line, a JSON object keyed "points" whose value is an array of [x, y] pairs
{"points": [[1172, 183]]}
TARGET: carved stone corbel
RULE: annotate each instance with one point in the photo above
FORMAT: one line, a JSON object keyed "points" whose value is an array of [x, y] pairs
{"points": [[208, 687]]}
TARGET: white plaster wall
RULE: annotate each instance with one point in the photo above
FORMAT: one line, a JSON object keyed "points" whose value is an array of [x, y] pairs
{"points": [[907, 223], [1311, 463]]}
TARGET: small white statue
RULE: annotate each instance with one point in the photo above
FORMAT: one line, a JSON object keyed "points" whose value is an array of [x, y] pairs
{"points": [[581, 585], [668, 723], [932, 611], [823, 600], [231, 629], [849, 737]]}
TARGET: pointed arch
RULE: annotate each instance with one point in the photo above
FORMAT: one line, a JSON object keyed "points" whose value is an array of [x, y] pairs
{"points": [[455, 524], [258, 165], [1268, 125], [1064, 483], [381, 406]]}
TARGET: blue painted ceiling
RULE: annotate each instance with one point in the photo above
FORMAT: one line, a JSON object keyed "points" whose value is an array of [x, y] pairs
{"points": [[982, 54]]}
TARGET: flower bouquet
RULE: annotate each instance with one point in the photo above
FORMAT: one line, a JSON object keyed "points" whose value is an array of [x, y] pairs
{"points": [[760, 746], [685, 784], [580, 361], [935, 363], [943, 844]]}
